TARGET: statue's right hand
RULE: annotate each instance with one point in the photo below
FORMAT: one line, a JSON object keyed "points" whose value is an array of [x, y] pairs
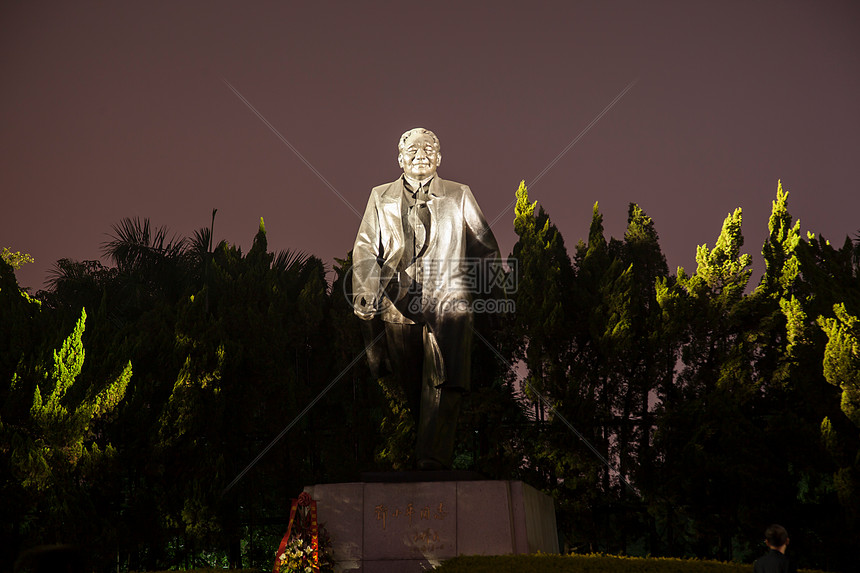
{"points": [[365, 306]]}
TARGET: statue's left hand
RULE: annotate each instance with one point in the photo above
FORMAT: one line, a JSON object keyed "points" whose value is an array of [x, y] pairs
{"points": [[365, 306]]}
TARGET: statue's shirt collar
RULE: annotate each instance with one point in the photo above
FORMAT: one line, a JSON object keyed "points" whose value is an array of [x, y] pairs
{"points": [[412, 184]]}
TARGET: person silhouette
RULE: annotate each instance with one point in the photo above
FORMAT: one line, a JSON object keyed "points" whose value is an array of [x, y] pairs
{"points": [[775, 560]]}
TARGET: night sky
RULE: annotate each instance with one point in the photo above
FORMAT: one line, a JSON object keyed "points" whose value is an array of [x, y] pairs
{"points": [[124, 109]]}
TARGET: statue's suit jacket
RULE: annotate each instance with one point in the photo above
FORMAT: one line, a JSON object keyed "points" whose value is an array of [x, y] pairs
{"points": [[459, 238]]}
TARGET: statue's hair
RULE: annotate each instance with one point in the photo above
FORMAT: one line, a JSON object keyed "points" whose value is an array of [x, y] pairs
{"points": [[402, 141]]}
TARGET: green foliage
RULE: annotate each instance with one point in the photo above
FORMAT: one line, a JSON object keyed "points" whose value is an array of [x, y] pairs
{"points": [[207, 570], [723, 270], [666, 414], [842, 370], [49, 445], [842, 359], [15, 259], [524, 211], [545, 273], [54, 455], [591, 563], [781, 264], [594, 339], [397, 428]]}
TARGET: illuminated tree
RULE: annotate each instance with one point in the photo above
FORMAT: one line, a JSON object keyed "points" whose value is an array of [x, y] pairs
{"points": [[16, 259], [55, 457], [702, 431], [842, 369]]}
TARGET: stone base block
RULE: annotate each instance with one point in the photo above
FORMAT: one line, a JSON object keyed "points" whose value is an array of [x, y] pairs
{"points": [[406, 527]]}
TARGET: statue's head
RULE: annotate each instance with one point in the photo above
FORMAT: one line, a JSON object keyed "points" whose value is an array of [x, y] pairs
{"points": [[419, 153]]}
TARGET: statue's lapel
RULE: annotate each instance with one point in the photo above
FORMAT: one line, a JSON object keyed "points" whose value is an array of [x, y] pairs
{"points": [[436, 206], [392, 214]]}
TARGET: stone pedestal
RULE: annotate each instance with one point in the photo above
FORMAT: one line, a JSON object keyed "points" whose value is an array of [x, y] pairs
{"points": [[410, 527]]}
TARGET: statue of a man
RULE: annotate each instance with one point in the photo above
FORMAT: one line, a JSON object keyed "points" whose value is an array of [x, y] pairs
{"points": [[420, 249]]}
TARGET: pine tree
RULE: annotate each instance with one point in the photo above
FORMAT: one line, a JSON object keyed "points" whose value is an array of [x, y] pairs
{"points": [[57, 463], [792, 393], [701, 429], [842, 370]]}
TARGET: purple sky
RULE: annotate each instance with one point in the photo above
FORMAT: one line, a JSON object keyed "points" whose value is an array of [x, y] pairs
{"points": [[121, 109]]}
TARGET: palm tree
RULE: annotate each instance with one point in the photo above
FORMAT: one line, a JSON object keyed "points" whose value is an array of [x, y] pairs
{"points": [[135, 246], [75, 284], [151, 266], [289, 261]]}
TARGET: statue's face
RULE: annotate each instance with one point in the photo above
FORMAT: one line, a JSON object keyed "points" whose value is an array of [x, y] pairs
{"points": [[419, 157]]}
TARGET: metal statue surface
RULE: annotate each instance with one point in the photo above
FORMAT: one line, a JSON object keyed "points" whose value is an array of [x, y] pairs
{"points": [[421, 243]]}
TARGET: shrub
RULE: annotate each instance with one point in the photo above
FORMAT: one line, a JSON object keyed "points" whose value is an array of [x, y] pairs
{"points": [[591, 563]]}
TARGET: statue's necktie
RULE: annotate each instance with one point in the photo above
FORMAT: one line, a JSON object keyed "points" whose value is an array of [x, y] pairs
{"points": [[419, 216], [416, 225]]}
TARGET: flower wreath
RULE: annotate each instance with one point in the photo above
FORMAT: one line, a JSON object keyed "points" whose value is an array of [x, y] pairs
{"points": [[306, 547]]}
